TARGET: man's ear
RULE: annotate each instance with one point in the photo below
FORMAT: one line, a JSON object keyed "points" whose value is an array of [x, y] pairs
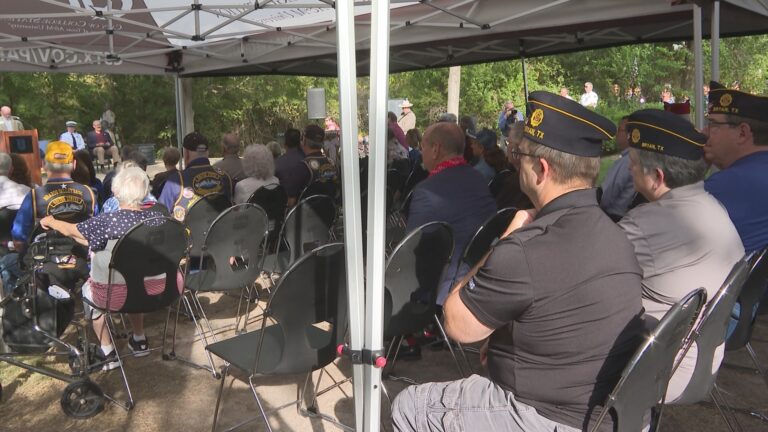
{"points": [[658, 178], [542, 168]]}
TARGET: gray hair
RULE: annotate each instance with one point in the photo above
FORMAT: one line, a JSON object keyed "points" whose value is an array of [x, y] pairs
{"points": [[59, 167], [759, 128], [677, 171], [567, 168], [448, 118], [515, 134], [275, 148], [130, 186], [258, 162], [5, 164]]}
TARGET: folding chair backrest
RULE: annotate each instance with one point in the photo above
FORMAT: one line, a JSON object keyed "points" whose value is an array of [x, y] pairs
{"points": [[307, 226], [200, 217], [273, 199], [412, 277], [418, 173], [309, 306], [710, 332], [486, 235], [6, 223], [238, 233], [152, 247], [496, 185], [643, 383], [751, 294], [326, 188]]}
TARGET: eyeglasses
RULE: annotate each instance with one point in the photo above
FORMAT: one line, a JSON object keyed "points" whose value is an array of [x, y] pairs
{"points": [[517, 154], [711, 123]]}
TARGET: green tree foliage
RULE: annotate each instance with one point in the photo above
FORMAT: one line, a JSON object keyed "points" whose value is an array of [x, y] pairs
{"points": [[261, 107]]}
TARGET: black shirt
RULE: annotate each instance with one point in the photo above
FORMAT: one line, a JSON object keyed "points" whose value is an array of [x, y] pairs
{"points": [[564, 295]]}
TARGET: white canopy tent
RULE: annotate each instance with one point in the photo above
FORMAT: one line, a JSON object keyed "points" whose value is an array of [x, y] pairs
{"points": [[343, 38]]}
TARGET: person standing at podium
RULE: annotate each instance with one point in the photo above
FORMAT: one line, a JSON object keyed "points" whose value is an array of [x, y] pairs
{"points": [[72, 137], [9, 123]]}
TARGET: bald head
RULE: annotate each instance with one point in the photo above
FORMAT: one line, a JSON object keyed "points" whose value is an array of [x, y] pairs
{"points": [[5, 111], [231, 143], [442, 141]]}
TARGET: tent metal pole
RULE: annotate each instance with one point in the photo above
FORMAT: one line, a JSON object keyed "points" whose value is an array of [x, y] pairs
{"points": [[714, 41], [180, 127], [698, 58], [377, 179], [525, 78], [353, 231]]}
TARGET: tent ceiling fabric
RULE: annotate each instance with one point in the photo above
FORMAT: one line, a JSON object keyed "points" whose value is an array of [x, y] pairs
{"points": [[215, 37]]}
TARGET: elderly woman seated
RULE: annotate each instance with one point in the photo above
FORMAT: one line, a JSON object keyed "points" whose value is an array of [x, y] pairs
{"points": [[259, 166], [100, 233]]}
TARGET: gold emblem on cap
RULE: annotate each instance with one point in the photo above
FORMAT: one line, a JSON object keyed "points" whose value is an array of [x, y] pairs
{"points": [[635, 136], [537, 117], [726, 99]]}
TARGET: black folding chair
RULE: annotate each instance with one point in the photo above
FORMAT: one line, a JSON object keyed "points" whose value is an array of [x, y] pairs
{"points": [[6, 223], [496, 185], [708, 335], [326, 188], [411, 280], [643, 383], [307, 226], [308, 309], [200, 217], [481, 242], [231, 259], [273, 199], [151, 248], [418, 173]]}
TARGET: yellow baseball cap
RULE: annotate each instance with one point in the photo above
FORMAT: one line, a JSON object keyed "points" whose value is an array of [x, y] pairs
{"points": [[59, 152]]}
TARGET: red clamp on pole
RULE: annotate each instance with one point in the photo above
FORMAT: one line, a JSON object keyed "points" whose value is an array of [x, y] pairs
{"points": [[373, 358]]}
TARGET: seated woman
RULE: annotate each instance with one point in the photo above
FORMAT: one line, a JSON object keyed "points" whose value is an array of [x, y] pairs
{"points": [[259, 166], [100, 234]]}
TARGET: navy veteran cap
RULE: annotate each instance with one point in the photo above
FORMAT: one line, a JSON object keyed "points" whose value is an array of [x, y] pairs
{"points": [[723, 100], [565, 125], [666, 133], [195, 141]]}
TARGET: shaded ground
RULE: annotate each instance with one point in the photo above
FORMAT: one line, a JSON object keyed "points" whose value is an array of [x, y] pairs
{"points": [[173, 397]]}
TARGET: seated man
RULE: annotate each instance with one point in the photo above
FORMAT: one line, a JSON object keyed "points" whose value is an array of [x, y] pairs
{"points": [[100, 143], [198, 179], [454, 193], [64, 199], [318, 169], [683, 238], [618, 191], [737, 143], [100, 234], [290, 168], [559, 296]]}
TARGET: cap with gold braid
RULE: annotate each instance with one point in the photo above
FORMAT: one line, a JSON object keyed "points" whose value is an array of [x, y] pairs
{"points": [[565, 125], [666, 133], [59, 152], [734, 102]]}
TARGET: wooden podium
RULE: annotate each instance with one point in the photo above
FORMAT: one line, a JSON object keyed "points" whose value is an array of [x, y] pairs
{"points": [[24, 144]]}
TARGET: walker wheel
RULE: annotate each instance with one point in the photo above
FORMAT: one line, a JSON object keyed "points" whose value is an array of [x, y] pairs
{"points": [[82, 399]]}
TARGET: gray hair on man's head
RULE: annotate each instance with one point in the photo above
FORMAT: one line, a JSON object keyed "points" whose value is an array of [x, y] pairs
{"points": [[5, 164], [59, 167], [448, 118], [130, 186], [258, 162], [677, 171]]}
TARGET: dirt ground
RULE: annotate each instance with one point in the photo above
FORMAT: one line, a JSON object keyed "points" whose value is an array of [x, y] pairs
{"points": [[171, 396]]}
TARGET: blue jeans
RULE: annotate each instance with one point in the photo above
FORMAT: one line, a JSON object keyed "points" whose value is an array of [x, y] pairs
{"points": [[9, 271]]}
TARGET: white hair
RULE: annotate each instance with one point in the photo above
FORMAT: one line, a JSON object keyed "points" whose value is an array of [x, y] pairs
{"points": [[130, 186], [258, 161]]}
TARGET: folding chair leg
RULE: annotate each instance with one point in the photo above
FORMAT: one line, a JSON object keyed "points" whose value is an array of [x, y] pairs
{"points": [[129, 404], [720, 409], [757, 363], [312, 410], [258, 402], [199, 331], [224, 373], [450, 346], [734, 424]]}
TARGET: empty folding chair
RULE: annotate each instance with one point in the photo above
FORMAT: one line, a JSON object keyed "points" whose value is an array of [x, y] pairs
{"points": [[200, 217], [304, 322], [307, 226], [643, 383], [273, 199], [231, 260], [496, 185]]}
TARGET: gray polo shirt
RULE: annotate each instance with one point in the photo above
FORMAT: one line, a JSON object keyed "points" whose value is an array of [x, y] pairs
{"points": [[564, 295]]}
